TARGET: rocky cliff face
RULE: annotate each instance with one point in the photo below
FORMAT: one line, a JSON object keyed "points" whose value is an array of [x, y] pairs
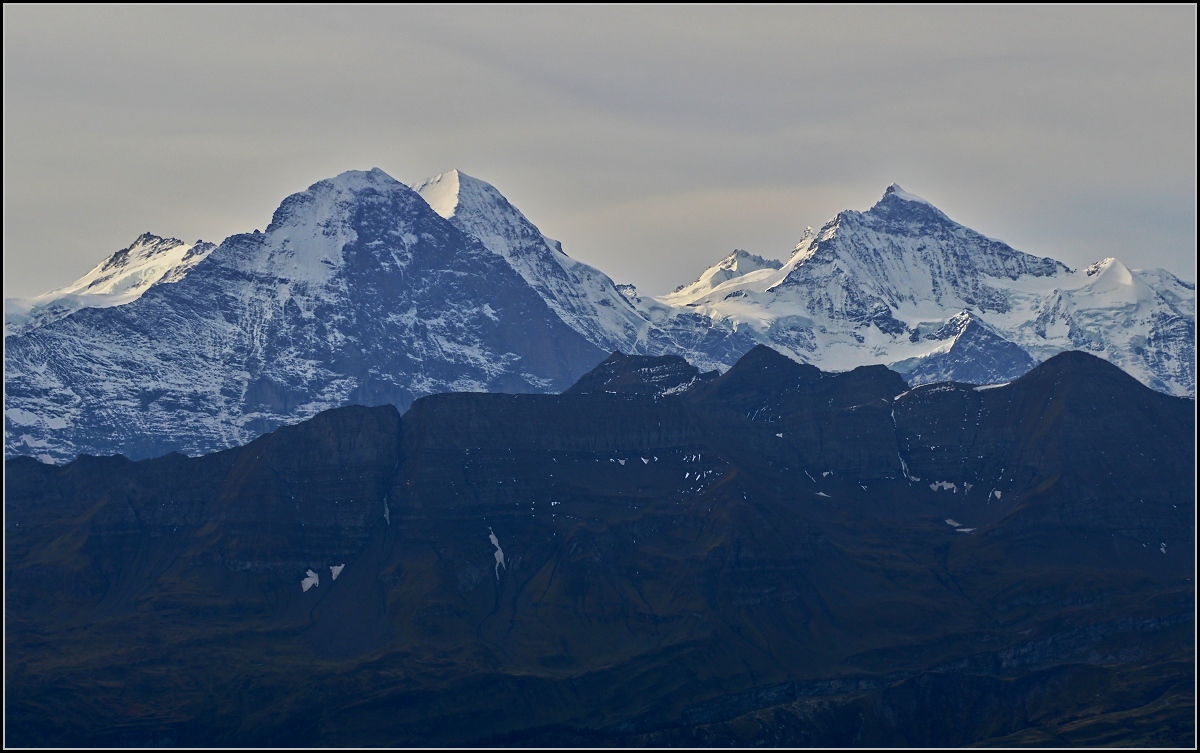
{"points": [[777, 554]]}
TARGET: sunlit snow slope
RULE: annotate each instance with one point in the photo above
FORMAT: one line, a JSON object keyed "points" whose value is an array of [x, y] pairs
{"points": [[613, 317], [119, 279], [904, 285]]}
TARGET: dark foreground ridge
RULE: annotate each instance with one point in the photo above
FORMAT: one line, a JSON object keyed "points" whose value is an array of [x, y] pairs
{"points": [[772, 556]]}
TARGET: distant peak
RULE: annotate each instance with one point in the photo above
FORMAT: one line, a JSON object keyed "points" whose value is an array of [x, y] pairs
{"points": [[898, 192], [736, 264], [441, 192], [355, 180], [744, 261], [1104, 265], [475, 204], [956, 326], [145, 246], [896, 203]]}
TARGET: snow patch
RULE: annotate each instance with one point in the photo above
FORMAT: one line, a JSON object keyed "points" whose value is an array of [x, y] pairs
{"points": [[311, 579], [900, 193], [678, 389], [499, 554], [983, 387], [22, 417]]}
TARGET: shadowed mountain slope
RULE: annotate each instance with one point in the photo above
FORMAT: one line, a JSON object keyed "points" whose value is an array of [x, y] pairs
{"points": [[774, 556]]}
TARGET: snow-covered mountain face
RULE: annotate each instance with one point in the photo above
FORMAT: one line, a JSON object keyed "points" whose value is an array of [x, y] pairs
{"points": [[616, 320], [582, 296], [904, 285], [356, 293], [363, 290], [117, 280], [736, 265]]}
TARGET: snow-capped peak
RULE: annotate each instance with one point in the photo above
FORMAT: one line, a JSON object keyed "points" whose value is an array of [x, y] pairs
{"points": [[900, 193], [357, 180], [740, 262], [1110, 283], [477, 208], [736, 265], [123, 277], [440, 192], [896, 204], [310, 230], [1104, 265], [134, 268], [477, 205], [582, 296], [453, 192]]}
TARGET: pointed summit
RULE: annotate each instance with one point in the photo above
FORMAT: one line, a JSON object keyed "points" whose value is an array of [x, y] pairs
{"points": [[896, 203], [357, 180], [900, 193], [582, 296], [455, 193], [441, 192], [478, 209], [966, 349], [735, 265]]}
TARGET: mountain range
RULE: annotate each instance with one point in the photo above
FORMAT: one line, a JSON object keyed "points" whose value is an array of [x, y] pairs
{"points": [[658, 556], [363, 290]]}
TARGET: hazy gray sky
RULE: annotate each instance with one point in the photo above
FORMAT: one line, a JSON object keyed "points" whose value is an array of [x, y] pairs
{"points": [[650, 140]]}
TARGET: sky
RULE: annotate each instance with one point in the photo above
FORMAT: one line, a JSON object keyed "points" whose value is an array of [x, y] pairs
{"points": [[650, 140]]}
